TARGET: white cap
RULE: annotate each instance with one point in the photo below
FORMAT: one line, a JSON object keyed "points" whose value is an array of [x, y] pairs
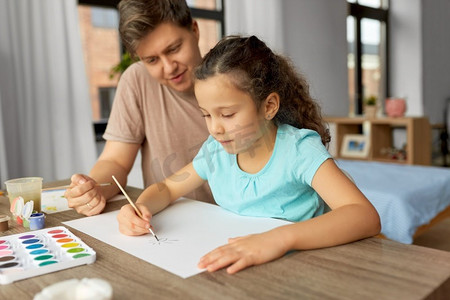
{"points": [[75, 289]]}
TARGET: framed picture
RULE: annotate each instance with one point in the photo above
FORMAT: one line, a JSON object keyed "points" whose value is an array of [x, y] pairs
{"points": [[355, 146]]}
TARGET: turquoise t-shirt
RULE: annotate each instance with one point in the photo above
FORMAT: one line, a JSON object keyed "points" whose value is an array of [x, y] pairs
{"points": [[281, 189]]}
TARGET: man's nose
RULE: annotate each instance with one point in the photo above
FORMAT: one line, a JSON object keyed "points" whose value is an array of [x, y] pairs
{"points": [[169, 65]]}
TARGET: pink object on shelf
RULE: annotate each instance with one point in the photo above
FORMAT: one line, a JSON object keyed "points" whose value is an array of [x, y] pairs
{"points": [[395, 107]]}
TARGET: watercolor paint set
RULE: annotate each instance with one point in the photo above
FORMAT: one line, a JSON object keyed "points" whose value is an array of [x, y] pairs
{"points": [[40, 252]]}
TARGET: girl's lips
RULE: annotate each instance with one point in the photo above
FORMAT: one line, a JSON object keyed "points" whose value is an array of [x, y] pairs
{"points": [[225, 142]]}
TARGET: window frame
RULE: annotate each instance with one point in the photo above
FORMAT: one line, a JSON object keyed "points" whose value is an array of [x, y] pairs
{"points": [[197, 13], [200, 13], [359, 12]]}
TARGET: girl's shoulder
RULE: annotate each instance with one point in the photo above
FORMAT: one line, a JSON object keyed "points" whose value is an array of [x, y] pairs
{"points": [[297, 140], [294, 134]]}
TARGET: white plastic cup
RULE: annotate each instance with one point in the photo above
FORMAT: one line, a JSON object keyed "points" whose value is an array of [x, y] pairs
{"points": [[29, 188]]}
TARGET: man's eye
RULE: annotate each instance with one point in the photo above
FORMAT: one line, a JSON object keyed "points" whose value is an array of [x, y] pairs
{"points": [[206, 116], [174, 49], [151, 60]]}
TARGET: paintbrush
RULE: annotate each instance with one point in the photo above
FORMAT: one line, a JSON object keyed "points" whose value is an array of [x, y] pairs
{"points": [[63, 187], [132, 204]]}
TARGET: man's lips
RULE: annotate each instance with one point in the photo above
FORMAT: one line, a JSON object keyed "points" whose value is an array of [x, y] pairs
{"points": [[177, 78]]}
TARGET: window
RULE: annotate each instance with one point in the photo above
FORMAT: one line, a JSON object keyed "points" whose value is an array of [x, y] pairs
{"points": [[106, 95], [104, 17], [102, 51], [102, 48], [367, 37], [210, 17]]}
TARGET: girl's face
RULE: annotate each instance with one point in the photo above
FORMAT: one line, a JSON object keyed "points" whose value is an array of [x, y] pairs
{"points": [[231, 115]]}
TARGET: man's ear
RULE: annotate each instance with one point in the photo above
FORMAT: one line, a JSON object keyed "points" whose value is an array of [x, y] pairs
{"points": [[271, 105], [195, 29]]}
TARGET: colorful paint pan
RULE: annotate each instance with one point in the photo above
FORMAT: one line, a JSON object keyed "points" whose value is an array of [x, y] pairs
{"points": [[31, 241], [6, 252], [70, 245], [65, 240], [26, 237], [40, 252], [44, 257], [58, 236], [9, 265], [80, 255], [34, 246], [75, 250], [48, 262], [7, 258]]}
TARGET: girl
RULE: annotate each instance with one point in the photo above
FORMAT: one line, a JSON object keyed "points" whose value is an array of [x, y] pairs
{"points": [[265, 157]]}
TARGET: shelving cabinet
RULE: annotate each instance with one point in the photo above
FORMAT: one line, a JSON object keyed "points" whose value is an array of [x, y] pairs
{"points": [[380, 134]]}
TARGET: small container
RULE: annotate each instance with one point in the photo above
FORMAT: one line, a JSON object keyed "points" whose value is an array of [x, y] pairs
{"points": [[86, 288], [29, 188], [395, 107], [4, 225], [37, 221]]}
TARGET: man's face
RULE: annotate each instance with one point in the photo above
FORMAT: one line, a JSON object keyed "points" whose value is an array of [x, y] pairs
{"points": [[170, 53]]}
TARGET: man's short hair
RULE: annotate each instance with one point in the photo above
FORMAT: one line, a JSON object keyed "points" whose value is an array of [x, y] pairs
{"points": [[140, 17]]}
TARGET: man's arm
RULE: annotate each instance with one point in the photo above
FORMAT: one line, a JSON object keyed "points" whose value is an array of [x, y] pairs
{"points": [[116, 159]]}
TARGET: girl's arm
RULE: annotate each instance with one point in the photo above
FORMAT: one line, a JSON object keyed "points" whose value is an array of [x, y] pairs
{"points": [[352, 218], [157, 197]]}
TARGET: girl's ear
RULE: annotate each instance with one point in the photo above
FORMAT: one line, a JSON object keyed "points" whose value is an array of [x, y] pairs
{"points": [[271, 106]]}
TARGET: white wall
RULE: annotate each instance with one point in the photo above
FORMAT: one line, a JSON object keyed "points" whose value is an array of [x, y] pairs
{"points": [[261, 18], [420, 63], [311, 32], [315, 39], [436, 57], [406, 54]]}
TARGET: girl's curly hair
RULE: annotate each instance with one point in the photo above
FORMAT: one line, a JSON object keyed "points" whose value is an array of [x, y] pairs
{"points": [[259, 72]]}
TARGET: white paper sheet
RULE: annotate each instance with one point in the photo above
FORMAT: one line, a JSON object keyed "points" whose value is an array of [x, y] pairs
{"points": [[54, 201], [187, 230]]}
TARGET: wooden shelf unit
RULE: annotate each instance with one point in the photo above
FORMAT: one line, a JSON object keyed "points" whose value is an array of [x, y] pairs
{"points": [[418, 136]]}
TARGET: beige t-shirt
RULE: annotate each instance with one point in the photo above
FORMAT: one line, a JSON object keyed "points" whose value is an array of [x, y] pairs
{"points": [[167, 124]]}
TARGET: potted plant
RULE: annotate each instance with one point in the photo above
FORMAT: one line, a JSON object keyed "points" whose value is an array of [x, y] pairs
{"points": [[125, 61], [395, 107], [370, 106]]}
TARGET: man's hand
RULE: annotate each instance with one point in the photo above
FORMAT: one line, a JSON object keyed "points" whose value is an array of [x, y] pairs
{"points": [[85, 196]]}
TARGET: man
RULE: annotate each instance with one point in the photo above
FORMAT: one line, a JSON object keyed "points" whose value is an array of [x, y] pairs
{"points": [[154, 110]]}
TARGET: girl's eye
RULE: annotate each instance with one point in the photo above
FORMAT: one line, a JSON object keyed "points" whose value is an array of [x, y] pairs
{"points": [[228, 115], [206, 116]]}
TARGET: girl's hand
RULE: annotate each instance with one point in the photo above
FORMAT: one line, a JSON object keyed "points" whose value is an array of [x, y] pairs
{"points": [[130, 223], [243, 252]]}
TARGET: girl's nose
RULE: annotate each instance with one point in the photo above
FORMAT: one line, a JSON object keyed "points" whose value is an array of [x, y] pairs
{"points": [[216, 126]]}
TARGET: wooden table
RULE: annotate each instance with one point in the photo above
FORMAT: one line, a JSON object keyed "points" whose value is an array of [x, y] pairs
{"points": [[369, 269]]}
